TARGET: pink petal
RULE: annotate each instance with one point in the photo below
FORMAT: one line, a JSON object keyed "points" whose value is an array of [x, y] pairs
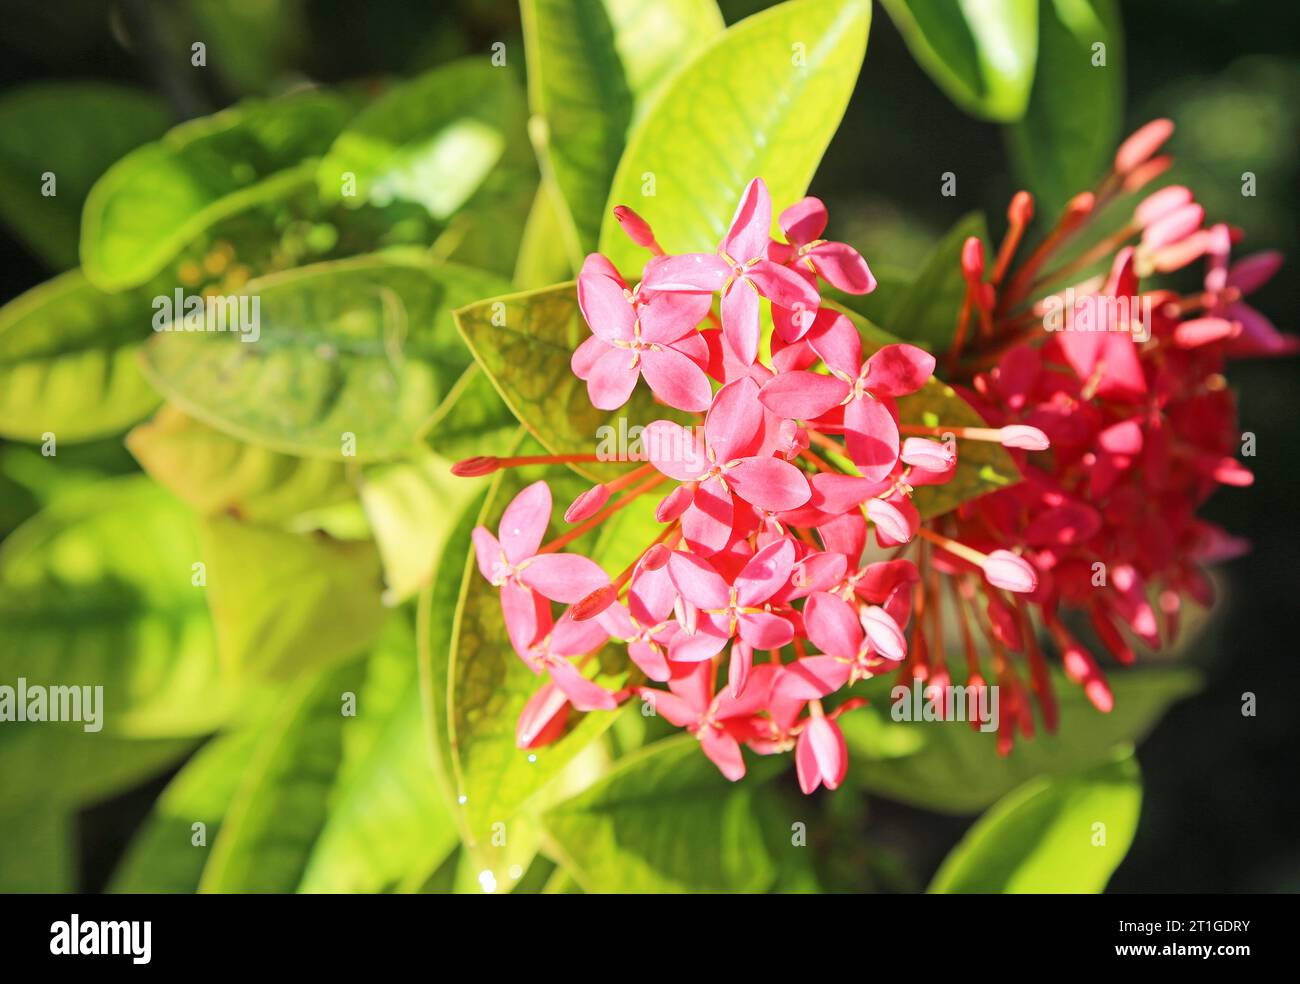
{"points": [[570, 637], [668, 315], [783, 286], [582, 693], [526, 615], [651, 660], [804, 221], [542, 717], [698, 581], [740, 320], [698, 647], [871, 437], [675, 379], [566, 578], [765, 573], [842, 266], [735, 420], [677, 711], [707, 522], [890, 520], [839, 493], [763, 630], [897, 370], [524, 522], [803, 395], [751, 225], [832, 626], [769, 483], [587, 354], [612, 379], [1252, 272], [742, 661], [587, 504], [812, 677], [487, 551], [805, 763], [689, 272], [674, 450], [838, 344], [724, 752], [604, 305]]}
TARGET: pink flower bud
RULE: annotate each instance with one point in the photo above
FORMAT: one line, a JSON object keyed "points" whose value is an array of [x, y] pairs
{"points": [[674, 504], [933, 456], [476, 467], [1157, 205], [1024, 437], [637, 229], [1143, 143], [587, 504], [1006, 570], [1021, 210], [972, 258]]}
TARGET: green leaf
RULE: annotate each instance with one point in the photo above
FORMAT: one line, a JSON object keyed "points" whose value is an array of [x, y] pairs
{"points": [[74, 131], [68, 361], [592, 66], [163, 857], [980, 52], [946, 766], [1060, 835], [37, 851], [285, 602], [158, 198], [891, 283], [411, 506], [431, 140], [472, 419], [762, 99], [926, 313], [214, 473], [665, 820], [280, 806], [61, 767], [488, 686], [364, 347], [1063, 144], [539, 263], [982, 466], [524, 342], [96, 591]]}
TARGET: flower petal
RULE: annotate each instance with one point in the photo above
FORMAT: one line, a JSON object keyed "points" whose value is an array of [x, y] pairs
{"points": [[769, 483], [676, 380], [897, 370], [735, 420], [566, 578], [842, 266], [689, 272], [524, 522], [698, 581], [763, 630], [707, 522], [751, 225], [832, 626], [582, 693], [605, 307], [673, 449], [612, 379], [804, 221], [871, 437], [803, 395], [740, 320], [783, 286]]}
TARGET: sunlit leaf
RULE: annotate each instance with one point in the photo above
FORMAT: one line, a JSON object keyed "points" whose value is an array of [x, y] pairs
{"points": [[762, 99], [1065, 834], [980, 52]]}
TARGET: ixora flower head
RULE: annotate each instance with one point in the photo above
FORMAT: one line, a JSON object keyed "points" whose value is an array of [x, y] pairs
{"points": [[792, 559]]}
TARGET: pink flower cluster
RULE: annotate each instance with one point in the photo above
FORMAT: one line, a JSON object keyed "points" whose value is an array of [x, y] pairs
{"points": [[763, 550], [790, 510]]}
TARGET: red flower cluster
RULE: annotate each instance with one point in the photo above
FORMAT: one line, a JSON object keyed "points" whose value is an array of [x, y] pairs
{"points": [[765, 550]]}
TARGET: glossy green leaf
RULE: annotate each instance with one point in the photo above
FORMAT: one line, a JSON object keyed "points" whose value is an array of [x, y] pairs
{"points": [[37, 851], [69, 767], [891, 283], [158, 198], [592, 66], [215, 473], [524, 342], [1060, 835], [168, 854], [762, 99], [472, 420], [353, 357], [284, 602], [664, 821], [73, 131], [488, 686], [68, 361], [947, 766], [539, 263], [926, 313], [980, 52], [96, 590], [281, 803], [431, 140], [411, 506], [1063, 144]]}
